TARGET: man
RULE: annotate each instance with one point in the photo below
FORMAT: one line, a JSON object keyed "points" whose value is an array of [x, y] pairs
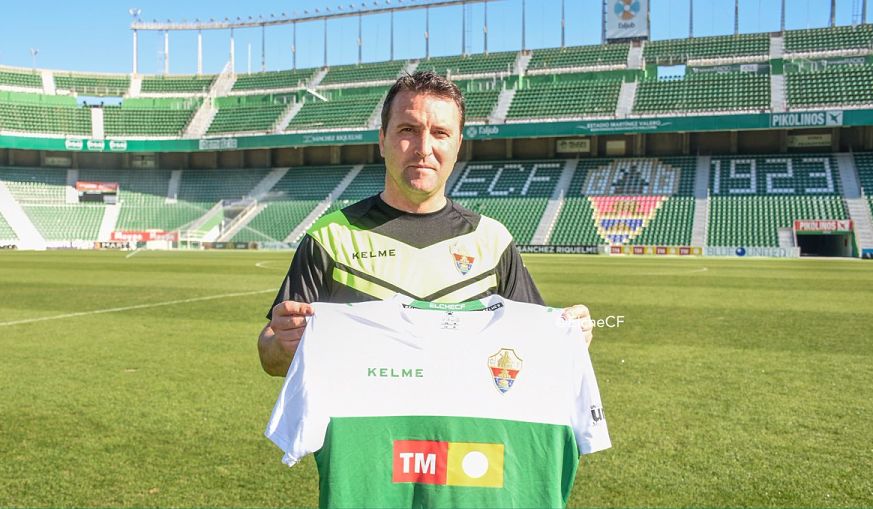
{"points": [[410, 238]]}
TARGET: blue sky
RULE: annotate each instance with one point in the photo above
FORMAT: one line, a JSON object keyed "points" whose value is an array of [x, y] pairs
{"points": [[95, 35]]}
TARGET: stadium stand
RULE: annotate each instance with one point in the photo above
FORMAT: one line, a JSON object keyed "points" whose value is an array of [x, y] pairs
{"points": [[272, 80], [704, 93], [66, 222], [149, 117], [38, 113], [838, 85], [677, 51], [579, 57], [480, 98], [752, 197], [470, 65], [42, 195], [32, 79], [177, 84], [369, 181], [248, 113], [363, 73], [513, 192], [831, 39], [96, 85], [628, 201], [205, 187], [35, 185], [6, 232], [143, 195], [565, 99], [349, 107], [291, 200]]}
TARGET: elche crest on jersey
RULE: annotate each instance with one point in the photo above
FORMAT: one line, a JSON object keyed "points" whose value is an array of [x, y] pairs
{"points": [[504, 367], [463, 257]]}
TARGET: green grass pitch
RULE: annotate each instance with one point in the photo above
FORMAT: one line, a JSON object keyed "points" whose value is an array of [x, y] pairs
{"points": [[730, 382]]}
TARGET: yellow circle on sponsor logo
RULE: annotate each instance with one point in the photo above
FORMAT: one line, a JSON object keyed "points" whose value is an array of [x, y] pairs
{"points": [[475, 464]]}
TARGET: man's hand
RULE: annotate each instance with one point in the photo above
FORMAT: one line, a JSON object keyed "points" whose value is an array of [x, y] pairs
{"points": [[279, 339], [581, 313]]}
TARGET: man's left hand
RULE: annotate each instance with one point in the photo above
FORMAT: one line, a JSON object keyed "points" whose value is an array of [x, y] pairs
{"points": [[581, 313]]}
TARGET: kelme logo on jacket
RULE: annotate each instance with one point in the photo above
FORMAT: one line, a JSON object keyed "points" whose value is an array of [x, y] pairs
{"points": [[448, 463]]}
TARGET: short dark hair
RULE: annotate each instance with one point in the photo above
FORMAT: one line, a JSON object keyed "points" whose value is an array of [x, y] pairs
{"points": [[424, 82]]}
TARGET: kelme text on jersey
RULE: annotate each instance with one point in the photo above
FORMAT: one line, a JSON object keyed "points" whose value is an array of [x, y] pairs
{"points": [[396, 372], [362, 255]]}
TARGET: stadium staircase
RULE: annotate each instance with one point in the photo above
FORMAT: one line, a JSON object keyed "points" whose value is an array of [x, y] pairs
{"points": [[785, 238], [48, 82], [71, 196], [635, 57], [626, 97], [701, 201], [201, 120], [521, 63], [135, 86], [375, 119], [232, 228], [317, 79], [207, 111], [777, 46], [857, 206], [323, 205], [556, 203], [263, 187], [504, 100], [97, 131], [109, 222], [287, 116], [778, 104], [13, 213], [173, 187], [410, 68]]}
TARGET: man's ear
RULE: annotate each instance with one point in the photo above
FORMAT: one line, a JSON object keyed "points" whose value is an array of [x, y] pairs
{"points": [[382, 141]]}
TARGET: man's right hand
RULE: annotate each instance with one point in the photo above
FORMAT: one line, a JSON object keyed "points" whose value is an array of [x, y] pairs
{"points": [[279, 338]]}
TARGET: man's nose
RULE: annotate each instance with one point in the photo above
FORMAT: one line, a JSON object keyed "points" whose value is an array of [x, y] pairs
{"points": [[424, 146]]}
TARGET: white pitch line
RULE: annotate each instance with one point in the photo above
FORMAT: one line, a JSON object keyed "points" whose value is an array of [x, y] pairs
{"points": [[129, 308], [132, 253]]}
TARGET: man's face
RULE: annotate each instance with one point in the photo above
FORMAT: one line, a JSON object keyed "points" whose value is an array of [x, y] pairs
{"points": [[420, 145]]}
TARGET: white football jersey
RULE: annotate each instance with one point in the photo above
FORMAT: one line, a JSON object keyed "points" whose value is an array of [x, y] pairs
{"points": [[492, 359]]}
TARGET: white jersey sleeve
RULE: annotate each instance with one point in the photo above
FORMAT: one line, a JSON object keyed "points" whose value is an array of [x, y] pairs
{"points": [[588, 421], [296, 425]]}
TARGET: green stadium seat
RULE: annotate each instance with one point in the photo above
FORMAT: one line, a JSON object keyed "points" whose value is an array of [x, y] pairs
{"points": [[177, 84], [248, 113], [565, 99], [678, 51], [272, 80], [96, 85], [470, 65], [20, 78], [37, 113], [704, 93], [831, 39], [350, 107], [364, 73], [579, 57], [831, 86], [149, 117]]}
